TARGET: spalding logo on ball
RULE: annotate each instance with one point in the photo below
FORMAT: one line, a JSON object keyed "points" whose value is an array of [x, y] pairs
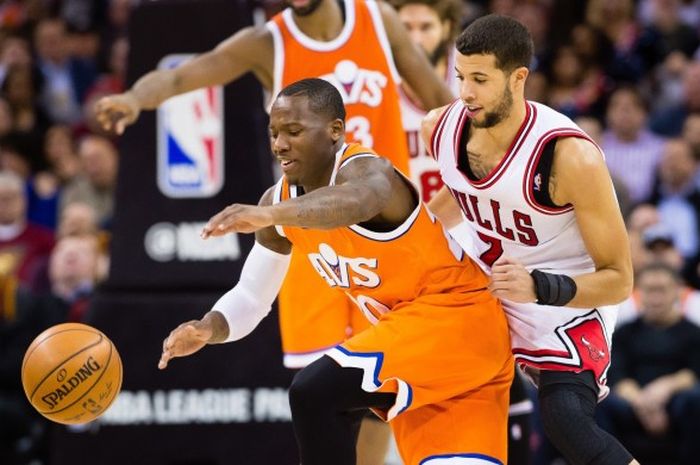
{"points": [[71, 373]]}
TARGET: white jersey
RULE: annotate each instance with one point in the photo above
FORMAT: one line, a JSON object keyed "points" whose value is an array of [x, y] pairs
{"points": [[506, 219], [424, 170]]}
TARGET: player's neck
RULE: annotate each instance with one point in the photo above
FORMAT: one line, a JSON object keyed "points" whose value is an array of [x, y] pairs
{"points": [[501, 135], [322, 176], [324, 24]]}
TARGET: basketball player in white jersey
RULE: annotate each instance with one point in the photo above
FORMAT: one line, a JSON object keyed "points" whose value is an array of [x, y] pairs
{"points": [[433, 26], [537, 211]]}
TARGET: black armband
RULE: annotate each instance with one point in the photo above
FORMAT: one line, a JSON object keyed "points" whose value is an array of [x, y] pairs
{"points": [[553, 289]]}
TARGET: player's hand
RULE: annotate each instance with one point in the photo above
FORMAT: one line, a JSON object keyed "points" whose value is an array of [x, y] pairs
{"points": [[116, 112], [185, 340], [238, 218], [510, 280]]}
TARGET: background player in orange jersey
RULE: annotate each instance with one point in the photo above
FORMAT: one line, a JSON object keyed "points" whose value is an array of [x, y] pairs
{"points": [[436, 362], [361, 47]]}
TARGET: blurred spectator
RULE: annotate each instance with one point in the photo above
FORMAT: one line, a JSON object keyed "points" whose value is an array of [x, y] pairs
{"points": [[616, 19], [14, 51], [77, 219], [657, 247], [99, 159], [7, 120], [639, 219], [592, 127], [677, 197], [20, 154], [669, 121], [66, 78], [60, 153], [654, 373], [631, 151], [573, 89], [74, 271], [83, 15], [593, 47], [108, 83], [666, 33], [535, 17], [24, 247], [691, 134], [689, 11], [21, 87]]}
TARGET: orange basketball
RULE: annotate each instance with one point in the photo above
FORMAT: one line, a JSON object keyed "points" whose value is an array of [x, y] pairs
{"points": [[71, 373]]}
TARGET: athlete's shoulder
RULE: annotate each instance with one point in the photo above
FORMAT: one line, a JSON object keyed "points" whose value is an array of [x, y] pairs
{"points": [[251, 40], [431, 119], [547, 118]]}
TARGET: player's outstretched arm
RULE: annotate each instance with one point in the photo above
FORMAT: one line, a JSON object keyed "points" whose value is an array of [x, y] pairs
{"points": [[581, 178], [250, 49], [411, 62], [362, 190], [238, 312]]}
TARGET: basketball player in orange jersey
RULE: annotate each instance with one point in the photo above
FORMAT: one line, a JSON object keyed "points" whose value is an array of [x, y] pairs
{"points": [[436, 362], [359, 46], [540, 214], [433, 26]]}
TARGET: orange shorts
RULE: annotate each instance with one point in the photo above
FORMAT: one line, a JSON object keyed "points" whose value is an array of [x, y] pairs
{"points": [[448, 359], [313, 317]]}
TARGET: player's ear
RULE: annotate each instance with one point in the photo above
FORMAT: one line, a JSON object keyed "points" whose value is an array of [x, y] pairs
{"points": [[337, 129], [519, 75]]}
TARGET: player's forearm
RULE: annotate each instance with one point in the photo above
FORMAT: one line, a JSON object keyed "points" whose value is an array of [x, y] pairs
{"points": [[219, 327], [606, 286], [445, 208], [328, 208], [154, 88]]}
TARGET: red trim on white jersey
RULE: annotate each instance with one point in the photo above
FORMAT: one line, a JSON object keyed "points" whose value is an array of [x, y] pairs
{"points": [[518, 140], [439, 127], [529, 178]]}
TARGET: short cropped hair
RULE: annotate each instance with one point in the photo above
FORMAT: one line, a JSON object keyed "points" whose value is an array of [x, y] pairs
{"points": [[323, 97], [501, 36]]}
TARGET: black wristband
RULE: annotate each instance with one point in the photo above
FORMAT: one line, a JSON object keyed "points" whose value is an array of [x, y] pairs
{"points": [[553, 289]]}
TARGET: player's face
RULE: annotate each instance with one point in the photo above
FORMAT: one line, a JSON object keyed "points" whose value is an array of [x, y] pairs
{"points": [[303, 141], [303, 7], [425, 29], [486, 91]]}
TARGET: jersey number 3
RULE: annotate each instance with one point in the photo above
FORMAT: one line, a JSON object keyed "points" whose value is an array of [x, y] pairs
{"points": [[358, 129]]}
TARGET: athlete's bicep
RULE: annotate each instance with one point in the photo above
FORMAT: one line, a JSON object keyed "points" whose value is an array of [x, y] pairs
{"points": [[269, 237], [583, 181], [369, 178], [249, 49]]}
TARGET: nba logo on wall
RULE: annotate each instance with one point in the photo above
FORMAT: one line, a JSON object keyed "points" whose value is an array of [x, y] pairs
{"points": [[190, 140]]}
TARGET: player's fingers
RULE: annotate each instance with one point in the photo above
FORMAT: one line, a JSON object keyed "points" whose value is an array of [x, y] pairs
{"points": [[120, 126], [163, 362]]}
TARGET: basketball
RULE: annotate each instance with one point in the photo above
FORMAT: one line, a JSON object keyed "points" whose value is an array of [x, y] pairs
{"points": [[71, 373]]}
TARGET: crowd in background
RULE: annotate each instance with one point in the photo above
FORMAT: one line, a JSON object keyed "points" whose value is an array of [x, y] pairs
{"points": [[628, 72]]}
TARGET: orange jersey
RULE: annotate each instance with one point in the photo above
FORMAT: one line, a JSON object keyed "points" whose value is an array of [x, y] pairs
{"points": [[359, 64], [380, 270]]}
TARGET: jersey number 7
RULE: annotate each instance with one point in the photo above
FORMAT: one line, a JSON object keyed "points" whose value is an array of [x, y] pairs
{"points": [[494, 251]]}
